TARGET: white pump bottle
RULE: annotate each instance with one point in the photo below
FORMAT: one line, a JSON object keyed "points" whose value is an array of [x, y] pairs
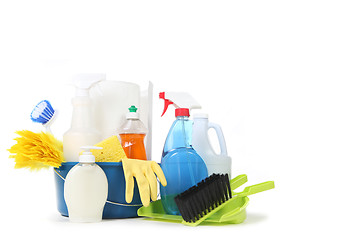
{"points": [[82, 131], [86, 189]]}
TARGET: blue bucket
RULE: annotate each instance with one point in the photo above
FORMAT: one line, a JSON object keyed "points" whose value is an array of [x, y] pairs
{"points": [[116, 206]]}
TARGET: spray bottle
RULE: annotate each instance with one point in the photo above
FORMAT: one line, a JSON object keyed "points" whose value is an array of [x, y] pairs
{"points": [[82, 131], [182, 166]]}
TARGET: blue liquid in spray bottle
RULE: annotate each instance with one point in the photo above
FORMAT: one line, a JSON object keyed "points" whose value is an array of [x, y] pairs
{"points": [[182, 166]]}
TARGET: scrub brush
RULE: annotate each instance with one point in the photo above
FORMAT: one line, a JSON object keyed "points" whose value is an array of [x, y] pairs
{"points": [[199, 200], [211, 195], [43, 113], [37, 150]]}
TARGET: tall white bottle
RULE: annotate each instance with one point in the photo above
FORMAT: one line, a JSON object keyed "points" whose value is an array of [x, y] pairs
{"points": [[215, 163], [86, 189], [83, 130]]}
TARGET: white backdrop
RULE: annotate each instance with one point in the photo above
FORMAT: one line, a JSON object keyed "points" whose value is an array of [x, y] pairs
{"points": [[280, 77]]}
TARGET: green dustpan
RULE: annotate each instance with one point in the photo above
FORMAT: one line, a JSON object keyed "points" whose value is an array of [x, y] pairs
{"points": [[232, 211]]}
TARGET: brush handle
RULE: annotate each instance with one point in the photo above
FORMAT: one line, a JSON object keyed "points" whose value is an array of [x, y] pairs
{"points": [[50, 122], [238, 181], [256, 189]]}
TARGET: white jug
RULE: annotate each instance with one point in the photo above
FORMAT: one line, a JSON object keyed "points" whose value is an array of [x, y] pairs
{"points": [[216, 163]]}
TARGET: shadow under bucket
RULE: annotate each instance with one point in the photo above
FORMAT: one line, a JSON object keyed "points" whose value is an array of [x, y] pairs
{"points": [[116, 206]]}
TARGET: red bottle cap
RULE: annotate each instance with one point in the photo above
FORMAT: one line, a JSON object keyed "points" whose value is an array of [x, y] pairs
{"points": [[182, 112]]}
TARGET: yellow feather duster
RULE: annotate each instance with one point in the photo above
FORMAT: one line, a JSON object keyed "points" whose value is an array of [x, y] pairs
{"points": [[36, 150]]}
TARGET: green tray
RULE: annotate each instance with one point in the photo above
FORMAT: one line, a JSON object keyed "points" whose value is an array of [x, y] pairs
{"points": [[231, 212]]}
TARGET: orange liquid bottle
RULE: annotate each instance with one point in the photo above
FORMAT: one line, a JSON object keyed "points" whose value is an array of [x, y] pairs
{"points": [[132, 135], [133, 145]]}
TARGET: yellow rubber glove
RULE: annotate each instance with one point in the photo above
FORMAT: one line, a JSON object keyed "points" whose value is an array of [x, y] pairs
{"points": [[144, 172]]}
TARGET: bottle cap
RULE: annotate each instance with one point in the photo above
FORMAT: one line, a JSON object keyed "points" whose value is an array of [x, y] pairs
{"points": [[132, 114], [185, 112]]}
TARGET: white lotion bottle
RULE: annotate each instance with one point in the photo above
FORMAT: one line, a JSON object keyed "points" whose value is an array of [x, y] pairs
{"points": [[86, 189]]}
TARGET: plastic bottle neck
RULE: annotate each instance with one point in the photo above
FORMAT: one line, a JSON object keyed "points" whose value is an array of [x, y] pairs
{"points": [[182, 118], [86, 163], [81, 117], [179, 135]]}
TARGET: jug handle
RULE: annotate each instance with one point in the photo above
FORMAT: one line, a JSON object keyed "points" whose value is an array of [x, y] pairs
{"points": [[220, 135]]}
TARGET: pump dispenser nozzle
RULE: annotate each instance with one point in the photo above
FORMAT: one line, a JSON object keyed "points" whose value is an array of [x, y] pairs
{"points": [[87, 156], [182, 101]]}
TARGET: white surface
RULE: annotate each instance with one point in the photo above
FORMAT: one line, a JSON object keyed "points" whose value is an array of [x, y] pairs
{"points": [[287, 71]]}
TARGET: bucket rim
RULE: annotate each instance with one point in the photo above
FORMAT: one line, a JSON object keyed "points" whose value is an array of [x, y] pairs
{"points": [[115, 164]]}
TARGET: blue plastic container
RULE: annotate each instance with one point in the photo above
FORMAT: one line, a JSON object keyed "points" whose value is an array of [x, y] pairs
{"points": [[182, 166], [116, 206]]}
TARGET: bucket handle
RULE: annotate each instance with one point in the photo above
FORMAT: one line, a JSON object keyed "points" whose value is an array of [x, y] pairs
{"points": [[220, 136]]}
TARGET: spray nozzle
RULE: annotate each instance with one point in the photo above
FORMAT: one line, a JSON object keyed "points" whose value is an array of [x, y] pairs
{"points": [[180, 100], [83, 82], [87, 156]]}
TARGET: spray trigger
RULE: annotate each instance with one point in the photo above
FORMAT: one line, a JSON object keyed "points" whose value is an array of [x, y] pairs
{"points": [[167, 102], [179, 100]]}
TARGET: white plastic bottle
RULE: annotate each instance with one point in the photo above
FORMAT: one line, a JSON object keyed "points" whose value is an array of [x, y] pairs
{"points": [[82, 131], [86, 189], [215, 163]]}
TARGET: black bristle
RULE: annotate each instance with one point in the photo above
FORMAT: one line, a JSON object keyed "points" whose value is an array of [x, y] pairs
{"points": [[213, 193], [190, 212], [197, 203], [190, 205], [222, 190], [187, 211], [180, 206], [217, 190], [202, 198], [227, 181], [195, 207]]}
